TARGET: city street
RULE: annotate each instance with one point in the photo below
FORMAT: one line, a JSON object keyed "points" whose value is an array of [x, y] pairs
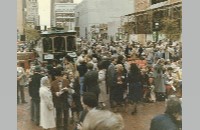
{"points": [[101, 46], [139, 121]]}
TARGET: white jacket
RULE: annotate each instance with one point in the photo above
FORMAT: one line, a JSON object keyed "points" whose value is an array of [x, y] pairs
{"points": [[47, 118]]}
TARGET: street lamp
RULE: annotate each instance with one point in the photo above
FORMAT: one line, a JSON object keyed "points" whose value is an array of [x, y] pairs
{"points": [[157, 29]]}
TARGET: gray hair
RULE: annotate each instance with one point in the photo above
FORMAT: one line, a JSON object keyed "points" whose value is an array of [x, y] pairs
{"points": [[45, 82], [103, 120], [173, 105]]}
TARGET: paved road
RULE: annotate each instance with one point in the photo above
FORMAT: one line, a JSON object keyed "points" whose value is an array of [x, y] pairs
{"points": [[139, 121]]}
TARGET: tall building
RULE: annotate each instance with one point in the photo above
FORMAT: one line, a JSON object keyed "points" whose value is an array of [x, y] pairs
{"points": [[92, 13], [146, 22], [21, 14], [32, 17], [63, 14]]}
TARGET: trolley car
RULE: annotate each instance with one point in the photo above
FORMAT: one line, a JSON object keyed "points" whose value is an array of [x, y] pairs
{"points": [[56, 43]]}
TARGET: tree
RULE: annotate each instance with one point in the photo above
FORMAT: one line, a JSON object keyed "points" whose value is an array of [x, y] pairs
{"points": [[171, 28], [31, 34]]}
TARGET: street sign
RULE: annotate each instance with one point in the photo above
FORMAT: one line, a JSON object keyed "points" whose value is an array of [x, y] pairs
{"points": [[48, 56]]}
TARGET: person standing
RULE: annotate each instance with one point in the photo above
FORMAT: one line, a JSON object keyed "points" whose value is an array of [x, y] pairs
{"points": [[74, 96], [140, 51], [89, 102], [21, 81], [119, 87], [34, 86], [82, 69], [110, 78], [103, 96], [91, 80], [171, 119], [68, 65], [159, 80], [59, 89], [135, 86], [47, 119]]}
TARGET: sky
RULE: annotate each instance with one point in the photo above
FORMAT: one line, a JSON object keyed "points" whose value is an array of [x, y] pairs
{"points": [[44, 12]]}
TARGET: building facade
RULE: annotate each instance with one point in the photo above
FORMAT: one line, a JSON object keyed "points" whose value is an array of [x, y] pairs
{"points": [[147, 20], [32, 17], [21, 14], [53, 8], [92, 14], [63, 14]]}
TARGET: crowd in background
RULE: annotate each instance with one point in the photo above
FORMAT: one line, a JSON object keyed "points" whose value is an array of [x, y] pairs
{"points": [[118, 74]]}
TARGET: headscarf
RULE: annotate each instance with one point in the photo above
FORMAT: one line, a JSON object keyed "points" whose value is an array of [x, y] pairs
{"points": [[45, 82]]}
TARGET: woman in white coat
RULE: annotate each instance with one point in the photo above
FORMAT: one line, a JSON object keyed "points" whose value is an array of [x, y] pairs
{"points": [[47, 119]]}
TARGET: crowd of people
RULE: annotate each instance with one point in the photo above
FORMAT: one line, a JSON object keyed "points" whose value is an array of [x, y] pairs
{"points": [[103, 78]]}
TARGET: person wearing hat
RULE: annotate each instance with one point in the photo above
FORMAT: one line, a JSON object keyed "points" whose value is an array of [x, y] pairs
{"points": [[172, 117], [34, 86]]}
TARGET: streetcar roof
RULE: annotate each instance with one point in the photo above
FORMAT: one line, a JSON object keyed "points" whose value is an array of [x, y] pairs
{"points": [[57, 32]]}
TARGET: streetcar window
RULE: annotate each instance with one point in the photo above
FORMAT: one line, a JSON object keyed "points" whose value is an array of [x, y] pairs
{"points": [[71, 43], [47, 44], [59, 44]]}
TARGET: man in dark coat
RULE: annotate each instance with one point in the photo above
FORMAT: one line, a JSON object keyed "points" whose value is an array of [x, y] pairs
{"points": [[91, 80], [171, 119], [110, 77], [82, 69], [34, 86]]}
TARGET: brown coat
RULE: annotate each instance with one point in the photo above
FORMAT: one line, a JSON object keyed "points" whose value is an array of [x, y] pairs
{"points": [[61, 100]]}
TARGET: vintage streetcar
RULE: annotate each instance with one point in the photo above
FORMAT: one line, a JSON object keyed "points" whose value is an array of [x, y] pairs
{"points": [[56, 43]]}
